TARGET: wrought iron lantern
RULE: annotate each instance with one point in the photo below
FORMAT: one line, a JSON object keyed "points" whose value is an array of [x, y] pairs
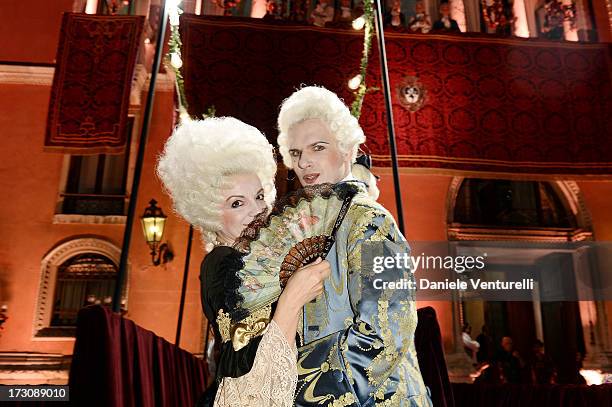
{"points": [[153, 223]]}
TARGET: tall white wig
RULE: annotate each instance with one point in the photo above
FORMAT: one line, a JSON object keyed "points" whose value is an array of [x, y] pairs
{"points": [[197, 159], [313, 102]]}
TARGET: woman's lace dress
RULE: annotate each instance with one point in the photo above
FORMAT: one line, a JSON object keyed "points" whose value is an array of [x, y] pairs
{"points": [[272, 379]]}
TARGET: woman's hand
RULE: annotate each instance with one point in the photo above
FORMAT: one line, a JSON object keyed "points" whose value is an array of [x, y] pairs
{"points": [[305, 285], [302, 287]]}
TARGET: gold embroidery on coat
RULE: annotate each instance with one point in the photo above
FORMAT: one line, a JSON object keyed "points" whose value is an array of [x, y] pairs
{"points": [[309, 376], [300, 329], [314, 374], [339, 288], [383, 232], [385, 362], [374, 222], [347, 366], [347, 399]]}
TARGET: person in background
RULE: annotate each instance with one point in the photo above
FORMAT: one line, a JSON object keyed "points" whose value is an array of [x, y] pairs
{"points": [[541, 365], [394, 17], [485, 352], [420, 22], [446, 23], [509, 361], [471, 346], [323, 13]]}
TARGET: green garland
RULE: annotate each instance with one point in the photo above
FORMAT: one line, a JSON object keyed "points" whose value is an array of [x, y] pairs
{"points": [[175, 44], [174, 47], [368, 33]]}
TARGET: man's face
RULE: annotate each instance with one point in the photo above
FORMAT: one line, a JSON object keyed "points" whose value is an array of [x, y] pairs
{"points": [[315, 155], [507, 344], [445, 10]]}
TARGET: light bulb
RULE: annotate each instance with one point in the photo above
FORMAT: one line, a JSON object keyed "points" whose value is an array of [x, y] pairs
{"points": [[359, 23], [172, 7], [173, 16], [355, 82], [176, 61], [172, 4]]}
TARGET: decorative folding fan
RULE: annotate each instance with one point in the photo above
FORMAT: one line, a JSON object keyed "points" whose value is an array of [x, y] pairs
{"points": [[300, 228]]}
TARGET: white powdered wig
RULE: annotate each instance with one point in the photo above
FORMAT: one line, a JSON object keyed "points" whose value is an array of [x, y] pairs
{"points": [[197, 159], [313, 102]]}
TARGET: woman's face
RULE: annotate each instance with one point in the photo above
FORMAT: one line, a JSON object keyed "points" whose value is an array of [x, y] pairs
{"points": [[315, 155], [241, 202]]}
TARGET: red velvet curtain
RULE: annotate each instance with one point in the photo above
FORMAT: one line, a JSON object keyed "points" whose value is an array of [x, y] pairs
{"points": [[117, 363], [490, 104], [430, 352]]}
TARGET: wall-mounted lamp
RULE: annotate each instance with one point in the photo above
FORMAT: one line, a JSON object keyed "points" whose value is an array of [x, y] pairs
{"points": [[153, 223]]}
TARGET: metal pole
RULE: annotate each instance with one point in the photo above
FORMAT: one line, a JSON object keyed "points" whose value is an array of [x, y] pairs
{"points": [[127, 234], [384, 75], [184, 288]]}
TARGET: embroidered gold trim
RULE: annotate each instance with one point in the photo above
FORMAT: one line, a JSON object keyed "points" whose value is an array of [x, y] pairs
{"points": [[300, 328], [242, 332], [224, 322], [383, 363], [383, 232], [347, 399], [347, 366]]}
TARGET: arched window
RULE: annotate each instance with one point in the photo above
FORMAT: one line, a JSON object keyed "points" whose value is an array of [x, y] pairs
{"points": [[510, 204], [74, 274], [84, 279]]}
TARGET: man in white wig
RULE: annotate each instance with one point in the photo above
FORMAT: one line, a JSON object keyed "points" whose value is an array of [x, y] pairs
{"points": [[358, 345]]}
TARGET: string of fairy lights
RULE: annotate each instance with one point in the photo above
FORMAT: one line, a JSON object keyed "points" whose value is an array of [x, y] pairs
{"points": [[357, 84], [174, 56]]}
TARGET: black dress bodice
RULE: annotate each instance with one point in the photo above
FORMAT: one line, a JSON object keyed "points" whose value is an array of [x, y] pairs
{"points": [[214, 279]]}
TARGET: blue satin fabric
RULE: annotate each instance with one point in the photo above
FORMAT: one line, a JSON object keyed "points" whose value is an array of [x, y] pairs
{"points": [[358, 340]]}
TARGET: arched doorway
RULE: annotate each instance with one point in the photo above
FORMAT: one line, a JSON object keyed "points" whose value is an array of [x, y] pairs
{"points": [[533, 212]]}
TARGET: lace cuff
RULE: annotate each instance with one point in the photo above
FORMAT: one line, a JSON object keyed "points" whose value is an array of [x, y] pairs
{"points": [[272, 379], [282, 340]]}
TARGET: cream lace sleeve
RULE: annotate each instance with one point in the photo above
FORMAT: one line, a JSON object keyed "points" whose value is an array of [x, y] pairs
{"points": [[272, 379]]}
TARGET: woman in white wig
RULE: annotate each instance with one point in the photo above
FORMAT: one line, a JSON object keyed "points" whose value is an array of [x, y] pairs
{"points": [[220, 174]]}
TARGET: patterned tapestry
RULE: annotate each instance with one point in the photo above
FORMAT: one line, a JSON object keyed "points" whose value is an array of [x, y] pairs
{"points": [[461, 102], [90, 96]]}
